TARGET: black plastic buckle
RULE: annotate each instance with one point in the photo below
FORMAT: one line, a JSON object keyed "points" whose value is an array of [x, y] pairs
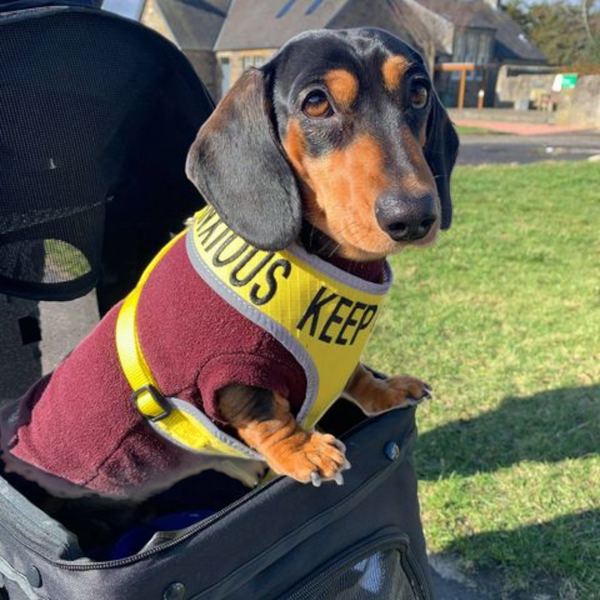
{"points": [[158, 398]]}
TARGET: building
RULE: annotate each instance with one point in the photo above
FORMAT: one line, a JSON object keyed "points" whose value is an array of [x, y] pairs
{"points": [[224, 37]]}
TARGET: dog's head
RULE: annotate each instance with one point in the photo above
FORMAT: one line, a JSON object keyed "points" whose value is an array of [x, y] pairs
{"points": [[341, 129]]}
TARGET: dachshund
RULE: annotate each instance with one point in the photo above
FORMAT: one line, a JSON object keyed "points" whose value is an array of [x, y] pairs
{"points": [[338, 144], [339, 141]]}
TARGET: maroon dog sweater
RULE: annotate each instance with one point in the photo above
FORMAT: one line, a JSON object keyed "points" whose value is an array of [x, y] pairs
{"points": [[80, 425]]}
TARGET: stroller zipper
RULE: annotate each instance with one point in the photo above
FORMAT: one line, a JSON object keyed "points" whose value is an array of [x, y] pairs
{"points": [[192, 530]]}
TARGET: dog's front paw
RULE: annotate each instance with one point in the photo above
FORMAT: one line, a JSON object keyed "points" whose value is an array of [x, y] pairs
{"points": [[316, 458], [399, 391]]}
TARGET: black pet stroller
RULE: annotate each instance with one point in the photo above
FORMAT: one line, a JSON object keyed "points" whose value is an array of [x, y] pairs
{"points": [[96, 116]]}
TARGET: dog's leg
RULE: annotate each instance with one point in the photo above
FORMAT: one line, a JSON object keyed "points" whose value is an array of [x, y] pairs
{"points": [[263, 420], [375, 395]]}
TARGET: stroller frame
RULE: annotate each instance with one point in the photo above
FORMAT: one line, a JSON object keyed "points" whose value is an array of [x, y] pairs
{"points": [[286, 541]]}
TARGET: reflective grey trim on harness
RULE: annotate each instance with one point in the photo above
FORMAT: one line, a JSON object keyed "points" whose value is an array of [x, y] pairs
{"points": [[197, 414], [282, 335], [370, 287], [263, 321]]}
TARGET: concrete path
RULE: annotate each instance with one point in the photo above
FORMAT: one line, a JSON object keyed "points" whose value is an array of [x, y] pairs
{"points": [[497, 148]]}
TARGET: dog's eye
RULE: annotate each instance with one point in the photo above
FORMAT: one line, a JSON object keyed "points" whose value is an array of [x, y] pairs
{"points": [[419, 96], [317, 106]]}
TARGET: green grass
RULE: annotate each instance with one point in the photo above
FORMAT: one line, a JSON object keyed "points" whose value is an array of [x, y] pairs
{"points": [[470, 130], [502, 317], [64, 261]]}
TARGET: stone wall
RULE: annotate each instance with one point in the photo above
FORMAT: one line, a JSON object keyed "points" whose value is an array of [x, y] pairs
{"points": [[515, 87], [580, 106], [152, 17], [203, 61]]}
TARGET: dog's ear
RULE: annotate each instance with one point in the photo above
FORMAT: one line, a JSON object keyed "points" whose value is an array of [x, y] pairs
{"points": [[238, 165], [441, 151]]}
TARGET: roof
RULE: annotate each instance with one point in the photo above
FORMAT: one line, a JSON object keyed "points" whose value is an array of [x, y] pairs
{"points": [[195, 23], [510, 44], [271, 23], [462, 13], [251, 24], [396, 16]]}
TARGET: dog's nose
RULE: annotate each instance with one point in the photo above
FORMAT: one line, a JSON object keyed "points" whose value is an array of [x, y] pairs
{"points": [[406, 219]]}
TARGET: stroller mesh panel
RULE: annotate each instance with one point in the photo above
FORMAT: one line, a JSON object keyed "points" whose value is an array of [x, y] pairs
{"points": [[379, 576], [96, 116]]}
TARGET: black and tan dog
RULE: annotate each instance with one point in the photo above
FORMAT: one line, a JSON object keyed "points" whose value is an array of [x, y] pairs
{"points": [[338, 149], [339, 141]]}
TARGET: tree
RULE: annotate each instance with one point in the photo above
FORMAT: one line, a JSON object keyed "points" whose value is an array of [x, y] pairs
{"points": [[591, 20], [566, 33], [518, 12]]}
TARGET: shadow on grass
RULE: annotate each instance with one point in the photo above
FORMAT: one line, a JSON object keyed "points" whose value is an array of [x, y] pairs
{"points": [[547, 427], [558, 557]]}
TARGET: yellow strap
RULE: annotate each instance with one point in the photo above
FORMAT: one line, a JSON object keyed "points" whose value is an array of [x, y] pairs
{"points": [[323, 320], [177, 425], [132, 359]]}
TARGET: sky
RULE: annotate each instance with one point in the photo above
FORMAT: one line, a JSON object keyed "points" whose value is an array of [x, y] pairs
{"points": [[131, 9]]}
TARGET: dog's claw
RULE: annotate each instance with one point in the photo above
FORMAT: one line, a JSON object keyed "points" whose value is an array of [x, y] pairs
{"points": [[339, 478], [316, 479], [340, 445]]}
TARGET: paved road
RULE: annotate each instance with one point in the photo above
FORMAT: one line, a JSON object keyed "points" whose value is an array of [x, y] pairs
{"points": [[448, 589], [502, 148], [61, 326], [449, 583]]}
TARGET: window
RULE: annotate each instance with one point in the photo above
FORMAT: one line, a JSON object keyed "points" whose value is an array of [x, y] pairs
{"points": [[473, 46], [225, 75], [253, 61]]}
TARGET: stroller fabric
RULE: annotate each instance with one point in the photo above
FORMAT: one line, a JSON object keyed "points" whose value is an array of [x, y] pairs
{"points": [[359, 541], [112, 108], [97, 114]]}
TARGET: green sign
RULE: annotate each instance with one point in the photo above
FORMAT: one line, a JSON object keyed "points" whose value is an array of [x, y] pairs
{"points": [[569, 80]]}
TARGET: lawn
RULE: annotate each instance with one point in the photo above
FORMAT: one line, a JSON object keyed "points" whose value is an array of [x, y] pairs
{"points": [[502, 317], [470, 130]]}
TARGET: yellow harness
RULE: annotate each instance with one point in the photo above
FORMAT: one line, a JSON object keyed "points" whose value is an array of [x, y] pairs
{"points": [[322, 315]]}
